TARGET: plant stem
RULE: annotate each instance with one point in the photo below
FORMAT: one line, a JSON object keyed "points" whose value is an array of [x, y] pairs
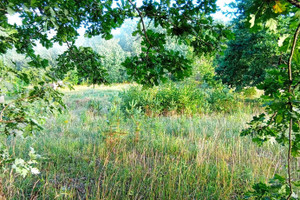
{"points": [[291, 108]]}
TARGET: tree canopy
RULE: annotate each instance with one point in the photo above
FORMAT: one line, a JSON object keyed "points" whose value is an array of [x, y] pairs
{"points": [[190, 22]]}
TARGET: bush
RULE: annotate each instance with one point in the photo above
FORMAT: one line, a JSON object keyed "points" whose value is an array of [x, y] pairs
{"points": [[250, 92], [223, 100], [182, 98]]}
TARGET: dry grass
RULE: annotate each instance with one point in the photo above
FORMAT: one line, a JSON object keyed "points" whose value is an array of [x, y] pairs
{"points": [[93, 153]]}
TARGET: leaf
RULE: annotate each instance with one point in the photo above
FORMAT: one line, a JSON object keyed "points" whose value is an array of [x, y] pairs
{"points": [[278, 7], [279, 178], [252, 20], [272, 24], [2, 99], [33, 2], [66, 12], [34, 122], [10, 11], [282, 39], [297, 14], [52, 12], [279, 118]]}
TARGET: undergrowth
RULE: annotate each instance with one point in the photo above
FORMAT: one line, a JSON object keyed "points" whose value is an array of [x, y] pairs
{"points": [[188, 98], [98, 151]]}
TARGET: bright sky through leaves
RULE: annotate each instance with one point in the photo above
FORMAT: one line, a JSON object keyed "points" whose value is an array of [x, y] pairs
{"points": [[219, 15]]}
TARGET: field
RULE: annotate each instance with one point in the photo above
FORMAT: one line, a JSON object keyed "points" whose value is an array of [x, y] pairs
{"points": [[95, 151]]}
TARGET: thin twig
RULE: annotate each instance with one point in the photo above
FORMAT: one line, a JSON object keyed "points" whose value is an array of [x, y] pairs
{"points": [[272, 118], [142, 20], [1, 114]]}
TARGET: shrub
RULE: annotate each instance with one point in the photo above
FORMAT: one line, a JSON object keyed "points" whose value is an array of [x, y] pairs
{"points": [[181, 98], [249, 92]]}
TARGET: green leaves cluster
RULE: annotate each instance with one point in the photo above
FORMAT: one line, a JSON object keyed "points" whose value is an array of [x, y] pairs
{"points": [[156, 63], [277, 98], [281, 120], [276, 189], [248, 56], [280, 92], [182, 98], [85, 61], [22, 107], [189, 22]]}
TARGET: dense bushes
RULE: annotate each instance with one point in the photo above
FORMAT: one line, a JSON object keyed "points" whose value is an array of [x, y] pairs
{"points": [[172, 98]]}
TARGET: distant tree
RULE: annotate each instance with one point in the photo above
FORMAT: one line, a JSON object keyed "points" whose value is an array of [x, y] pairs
{"points": [[127, 41], [248, 56], [112, 59]]}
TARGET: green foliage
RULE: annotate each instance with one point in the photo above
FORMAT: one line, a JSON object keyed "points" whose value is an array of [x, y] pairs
{"points": [[247, 57], [172, 98], [280, 122], [203, 69], [20, 166], [195, 27], [85, 61], [71, 77], [276, 189], [112, 59], [249, 92], [18, 114], [156, 62], [276, 99]]}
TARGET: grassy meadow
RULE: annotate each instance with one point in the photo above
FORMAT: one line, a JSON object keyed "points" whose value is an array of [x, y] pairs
{"points": [[94, 150]]}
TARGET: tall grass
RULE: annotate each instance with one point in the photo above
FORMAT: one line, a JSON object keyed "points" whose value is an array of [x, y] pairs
{"points": [[95, 151]]}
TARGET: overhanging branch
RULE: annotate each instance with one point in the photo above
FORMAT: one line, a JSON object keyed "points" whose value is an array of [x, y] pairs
{"points": [[142, 20]]}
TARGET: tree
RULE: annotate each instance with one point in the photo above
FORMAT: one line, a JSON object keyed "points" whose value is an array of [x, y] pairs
{"points": [[281, 120], [113, 57], [248, 56]]}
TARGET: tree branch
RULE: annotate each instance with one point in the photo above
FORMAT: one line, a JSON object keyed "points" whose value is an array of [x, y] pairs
{"points": [[142, 20]]}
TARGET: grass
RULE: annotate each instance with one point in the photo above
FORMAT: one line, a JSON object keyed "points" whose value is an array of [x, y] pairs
{"points": [[94, 151]]}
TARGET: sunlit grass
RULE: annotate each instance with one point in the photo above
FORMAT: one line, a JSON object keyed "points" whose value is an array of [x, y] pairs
{"points": [[94, 151], [97, 88]]}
